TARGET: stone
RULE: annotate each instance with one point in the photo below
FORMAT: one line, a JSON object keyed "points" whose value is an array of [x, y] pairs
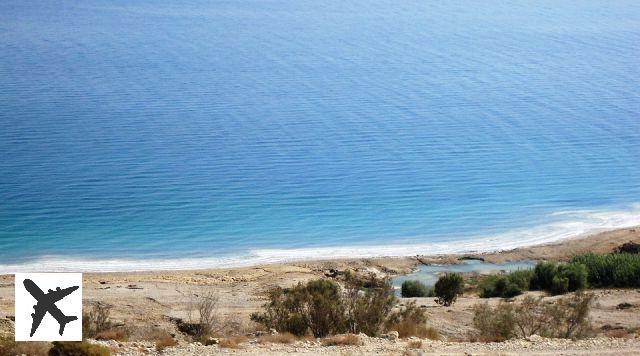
{"points": [[212, 341]]}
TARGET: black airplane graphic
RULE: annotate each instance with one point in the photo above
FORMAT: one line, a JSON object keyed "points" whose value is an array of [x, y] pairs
{"points": [[47, 303]]}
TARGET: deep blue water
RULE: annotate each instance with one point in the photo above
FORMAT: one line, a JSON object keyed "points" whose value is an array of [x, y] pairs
{"points": [[238, 130]]}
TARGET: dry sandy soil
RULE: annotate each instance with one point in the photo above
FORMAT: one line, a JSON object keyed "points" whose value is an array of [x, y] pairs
{"points": [[147, 299]]}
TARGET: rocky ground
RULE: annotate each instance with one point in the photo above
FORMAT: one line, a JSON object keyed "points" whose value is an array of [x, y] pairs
{"points": [[378, 346]]}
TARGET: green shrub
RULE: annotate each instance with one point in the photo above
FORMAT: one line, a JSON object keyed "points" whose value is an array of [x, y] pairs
{"points": [[314, 307], [368, 303], [559, 278], [448, 287], [324, 312], [498, 286], [559, 285], [78, 349], [521, 278], [542, 278], [568, 278], [508, 285], [322, 308], [611, 270], [576, 274], [415, 289]]}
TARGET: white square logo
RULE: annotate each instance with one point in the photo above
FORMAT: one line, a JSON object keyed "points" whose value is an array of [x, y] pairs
{"points": [[48, 306]]}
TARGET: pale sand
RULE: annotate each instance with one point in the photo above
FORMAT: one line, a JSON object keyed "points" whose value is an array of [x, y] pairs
{"points": [[167, 293]]}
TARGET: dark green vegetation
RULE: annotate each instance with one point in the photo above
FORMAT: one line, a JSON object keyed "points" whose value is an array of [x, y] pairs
{"points": [[506, 286], [416, 289], [324, 307], [558, 278], [563, 318], [621, 270], [448, 288]]}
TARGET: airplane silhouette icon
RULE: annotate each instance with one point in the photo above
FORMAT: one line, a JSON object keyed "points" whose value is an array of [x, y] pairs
{"points": [[47, 304]]}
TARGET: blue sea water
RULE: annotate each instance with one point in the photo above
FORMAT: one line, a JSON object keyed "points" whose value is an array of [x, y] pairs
{"points": [[171, 134]]}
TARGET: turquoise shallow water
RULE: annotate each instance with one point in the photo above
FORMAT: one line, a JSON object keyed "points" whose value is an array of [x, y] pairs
{"points": [[429, 274], [163, 134]]}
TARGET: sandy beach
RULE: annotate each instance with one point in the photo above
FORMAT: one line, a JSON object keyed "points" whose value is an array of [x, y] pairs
{"points": [[152, 299]]}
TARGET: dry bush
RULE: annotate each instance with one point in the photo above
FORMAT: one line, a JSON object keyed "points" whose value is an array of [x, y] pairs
{"points": [[570, 316], [96, 320], [232, 342], [118, 334], [414, 344], [204, 318], [628, 247], [343, 340], [164, 341], [620, 333], [202, 315], [564, 318], [32, 348], [411, 321], [281, 338], [208, 313], [494, 324], [150, 333], [409, 352], [160, 337], [531, 316], [10, 347], [73, 348]]}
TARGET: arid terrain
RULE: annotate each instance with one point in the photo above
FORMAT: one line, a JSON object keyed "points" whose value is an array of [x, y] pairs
{"points": [[144, 300]]}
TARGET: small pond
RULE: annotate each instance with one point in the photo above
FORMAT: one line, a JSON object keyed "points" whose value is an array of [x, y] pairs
{"points": [[429, 274]]}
